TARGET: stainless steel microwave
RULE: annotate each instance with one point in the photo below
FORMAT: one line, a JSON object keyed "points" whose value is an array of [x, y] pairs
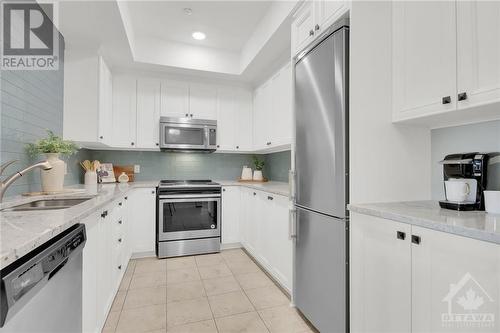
{"points": [[187, 134]]}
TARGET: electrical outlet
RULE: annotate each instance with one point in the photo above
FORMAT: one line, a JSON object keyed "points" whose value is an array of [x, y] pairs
{"points": [[137, 168]]}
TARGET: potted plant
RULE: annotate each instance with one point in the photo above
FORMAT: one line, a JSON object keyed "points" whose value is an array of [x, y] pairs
{"points": [[52, 147], [259, 165]]}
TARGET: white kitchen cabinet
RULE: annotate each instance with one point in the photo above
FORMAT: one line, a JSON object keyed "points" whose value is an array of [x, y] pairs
{"points": [[419, 283], [142, 220], [424, 58], [174, 99], [87, 100], [89, 274], [202, 101], [313, 18], [230, 214], [380, 271], [478, 52], [148, 113], [261, 103], [453, 275], [303, 27], [124, 127], [244, 120]]}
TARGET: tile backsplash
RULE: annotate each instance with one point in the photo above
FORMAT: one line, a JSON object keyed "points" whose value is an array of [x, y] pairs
{"points": [[482, 137]]}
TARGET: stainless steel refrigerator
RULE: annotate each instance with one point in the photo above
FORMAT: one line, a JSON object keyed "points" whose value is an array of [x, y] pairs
{"points": [[321, 181]]}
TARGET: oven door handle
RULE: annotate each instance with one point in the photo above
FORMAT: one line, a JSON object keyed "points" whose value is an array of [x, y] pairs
{"points": [[189, 196]]}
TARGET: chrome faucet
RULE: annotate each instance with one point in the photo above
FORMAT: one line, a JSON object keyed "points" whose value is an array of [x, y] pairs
{"points": [[44, 165]]}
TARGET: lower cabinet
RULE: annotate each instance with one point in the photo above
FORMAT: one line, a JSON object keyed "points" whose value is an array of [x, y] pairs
{"points": [[410, 279], [230, 215], [115, 232]]}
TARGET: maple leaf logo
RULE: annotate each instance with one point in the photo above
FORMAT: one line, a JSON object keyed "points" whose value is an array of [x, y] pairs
{"points": [[470, 301]]}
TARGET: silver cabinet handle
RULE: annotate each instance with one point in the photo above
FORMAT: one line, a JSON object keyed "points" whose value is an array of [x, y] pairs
{"points": [[292, 226], [311, 32], [270, 197], [316, 27], [446, 100]]}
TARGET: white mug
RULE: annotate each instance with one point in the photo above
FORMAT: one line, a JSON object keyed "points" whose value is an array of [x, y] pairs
{"points": [[456, 190]]}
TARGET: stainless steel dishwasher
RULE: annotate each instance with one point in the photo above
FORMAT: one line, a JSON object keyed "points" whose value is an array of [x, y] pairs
{"points": [[42, 291]]}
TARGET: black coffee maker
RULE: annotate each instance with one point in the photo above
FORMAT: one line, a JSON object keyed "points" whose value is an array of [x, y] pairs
{"points": [[471, 168]]}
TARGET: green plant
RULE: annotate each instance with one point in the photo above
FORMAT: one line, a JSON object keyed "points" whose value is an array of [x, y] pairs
{"points": [[51, 144], [258, 163]]}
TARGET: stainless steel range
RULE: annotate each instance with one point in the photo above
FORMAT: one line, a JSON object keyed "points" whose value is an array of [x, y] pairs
{"points": [[189, 214]]}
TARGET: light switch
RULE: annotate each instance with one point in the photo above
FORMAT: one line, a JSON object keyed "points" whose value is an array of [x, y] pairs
{"points": [[137, 168]]}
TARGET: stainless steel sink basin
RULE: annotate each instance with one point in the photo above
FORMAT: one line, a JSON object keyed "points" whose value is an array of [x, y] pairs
{"points": [[47, 204]]}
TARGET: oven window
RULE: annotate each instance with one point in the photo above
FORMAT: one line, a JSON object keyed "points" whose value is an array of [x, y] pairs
{"points": [[189, 216], [184, 136]]}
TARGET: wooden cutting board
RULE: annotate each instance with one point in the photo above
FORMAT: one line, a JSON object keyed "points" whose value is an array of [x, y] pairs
{"points": [[265, 180], [128, 169]]}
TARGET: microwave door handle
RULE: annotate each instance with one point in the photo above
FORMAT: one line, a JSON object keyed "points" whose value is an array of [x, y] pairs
{"points": [[207, 137]]}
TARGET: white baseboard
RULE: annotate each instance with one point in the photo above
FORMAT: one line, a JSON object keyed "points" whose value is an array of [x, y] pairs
{"points": [[227, 246], [139, 255]]}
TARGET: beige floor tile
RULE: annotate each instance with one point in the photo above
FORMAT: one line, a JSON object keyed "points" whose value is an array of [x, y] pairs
{"points": [[267, 297], [150, 265], [111, 322], [145, 296], [210, 272], [183, 275], [144, 319], [149, 280], [118, 301], [283, 319], [185, 312], [254, 280], [242, 323], [206, 326], [243, 267], [185, 291], [180, 263], [221, 285], [125, 283], [234, 255], [209, 259], [230, 304]]}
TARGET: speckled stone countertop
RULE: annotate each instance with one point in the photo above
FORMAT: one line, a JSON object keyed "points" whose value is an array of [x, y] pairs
{"points": [[428, 214], [23, 231]]}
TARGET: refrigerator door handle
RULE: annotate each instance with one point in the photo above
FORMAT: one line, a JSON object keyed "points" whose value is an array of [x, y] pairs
{"points": [[291, 184], [292, 224]]}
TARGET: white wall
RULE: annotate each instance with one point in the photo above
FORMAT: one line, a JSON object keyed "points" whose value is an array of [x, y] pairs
{"points": [[388, 162]]}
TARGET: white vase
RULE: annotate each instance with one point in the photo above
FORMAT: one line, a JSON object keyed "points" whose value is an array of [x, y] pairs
{"points": [[257, 175], [53, 179], [90, 178]]}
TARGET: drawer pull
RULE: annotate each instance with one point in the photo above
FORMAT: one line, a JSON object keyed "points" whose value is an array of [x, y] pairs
{"points": [[446, 100], [119, 240], [270, 197], [120, 222], [120, 204], [415, 239], [120, 267], [462, 96], [126, 198], [104, 214], [401, 235]]}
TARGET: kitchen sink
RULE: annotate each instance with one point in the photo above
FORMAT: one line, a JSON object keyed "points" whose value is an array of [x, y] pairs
{"points": [[47, 204]]}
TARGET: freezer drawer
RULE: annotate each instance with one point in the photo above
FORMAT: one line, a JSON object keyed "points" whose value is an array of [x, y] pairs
{"points": [[320, 270]]}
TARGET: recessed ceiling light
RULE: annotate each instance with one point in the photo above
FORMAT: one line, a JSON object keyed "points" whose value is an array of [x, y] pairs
{"points": [[188, 11], [199, 35]]}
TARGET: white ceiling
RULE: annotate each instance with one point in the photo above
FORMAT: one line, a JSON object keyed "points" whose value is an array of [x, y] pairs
{"points": [[227, 24]]}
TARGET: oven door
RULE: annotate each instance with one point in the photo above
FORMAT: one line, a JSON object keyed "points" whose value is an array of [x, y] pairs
{"points": [[188, 218], [183, 136]]}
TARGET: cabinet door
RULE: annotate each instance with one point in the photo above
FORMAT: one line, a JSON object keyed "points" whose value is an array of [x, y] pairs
{"points": [[105, 103], [226, 119], [244, 121], [142, 203], [454, 279], [174, 99], [303, 27], [327, 12], [424, 58], [262, 112], [380, 275], [478, 51], [89, 275], [281, 111], [230, 214], [254, 222], [203, 101], [124, 111], [104, 262], [148, 113]]}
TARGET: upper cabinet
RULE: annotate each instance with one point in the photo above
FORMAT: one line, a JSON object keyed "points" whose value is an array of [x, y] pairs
{"points": [[174, 99], [124, 127], [87, 100], [273, 112], [312, 19], [446, 57], [202, 101], [148, 113]]}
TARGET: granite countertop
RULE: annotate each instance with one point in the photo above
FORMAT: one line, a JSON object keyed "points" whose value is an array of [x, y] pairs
{"points": [[23, 231], [475, 224]]}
